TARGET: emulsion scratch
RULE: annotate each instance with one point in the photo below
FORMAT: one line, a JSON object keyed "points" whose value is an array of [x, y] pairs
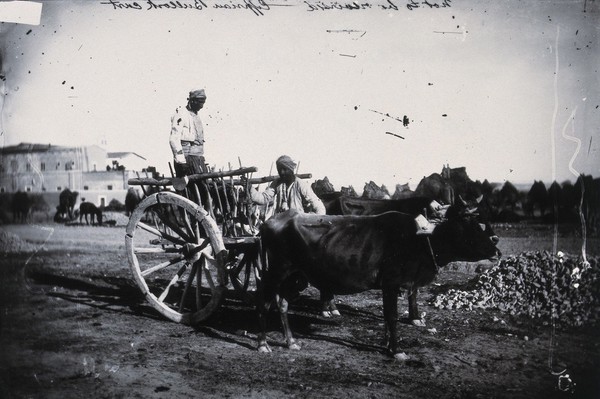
{"points": [[348, 55], [395, 135], [573, 138], [348, 31], [388, 115]]}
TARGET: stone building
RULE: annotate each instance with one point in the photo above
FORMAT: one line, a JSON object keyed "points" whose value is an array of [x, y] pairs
{"points": [[97, 175]]}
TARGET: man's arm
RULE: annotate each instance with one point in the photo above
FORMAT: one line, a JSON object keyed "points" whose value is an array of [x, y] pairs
{"points": [[264, 197], [311, 198], [175, 138]]}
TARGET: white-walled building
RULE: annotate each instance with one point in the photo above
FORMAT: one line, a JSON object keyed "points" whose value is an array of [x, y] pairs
{"points": [[97, 175]]}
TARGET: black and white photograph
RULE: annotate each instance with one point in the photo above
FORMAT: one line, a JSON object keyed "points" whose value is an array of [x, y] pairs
{"points": [[300, 198]]}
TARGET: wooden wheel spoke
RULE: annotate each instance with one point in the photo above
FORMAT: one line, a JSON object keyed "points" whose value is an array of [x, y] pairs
{"points": [[198, 288], [247, 276], [161, 266], [173, 281], [162, 234], [188, 284], [173, 226]]}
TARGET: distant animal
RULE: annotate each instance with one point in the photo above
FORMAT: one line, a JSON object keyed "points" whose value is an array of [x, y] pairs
{"points": [[87, 208], [372, 190], [322, 186], [350, 254], [402, 191], [132, 199], [21, 207], [437, 188], [67, 200]]}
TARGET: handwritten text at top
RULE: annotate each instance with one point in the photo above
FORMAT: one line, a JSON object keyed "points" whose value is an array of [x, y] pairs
{"points": [[259, 7]]}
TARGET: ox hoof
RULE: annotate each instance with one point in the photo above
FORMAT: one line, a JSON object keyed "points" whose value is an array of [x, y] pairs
{"points": [[401, 357], [264, 349], [294, 345], [418, 322]]}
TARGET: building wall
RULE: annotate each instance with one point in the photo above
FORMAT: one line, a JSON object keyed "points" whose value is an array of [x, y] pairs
{"points": [[53, 170]]}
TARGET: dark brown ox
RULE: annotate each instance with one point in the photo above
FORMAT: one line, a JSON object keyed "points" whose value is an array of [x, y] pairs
{"points": [[351, 254], [344, 205]]}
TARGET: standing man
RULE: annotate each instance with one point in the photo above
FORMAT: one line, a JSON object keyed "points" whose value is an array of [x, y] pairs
{"points": [[187, 136], [288, 191]]}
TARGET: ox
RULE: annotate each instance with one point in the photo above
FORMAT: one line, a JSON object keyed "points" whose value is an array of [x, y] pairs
{"points": [[351, 254], [343, 205], [87, 208]]}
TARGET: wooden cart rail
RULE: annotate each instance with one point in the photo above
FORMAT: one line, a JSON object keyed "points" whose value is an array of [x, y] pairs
{"points": [[141, 181]]}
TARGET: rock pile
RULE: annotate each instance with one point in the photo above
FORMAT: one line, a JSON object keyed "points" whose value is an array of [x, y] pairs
{"points": [[537, 285]]}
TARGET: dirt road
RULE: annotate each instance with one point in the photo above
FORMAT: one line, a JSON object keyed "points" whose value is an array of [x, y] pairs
{"points": [[74, 325]]}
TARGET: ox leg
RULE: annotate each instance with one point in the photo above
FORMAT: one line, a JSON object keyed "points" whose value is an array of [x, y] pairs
{"points": [[263, 313], [328, 308], [282, 304], [263, 305], [390, 315], [413, 310]]}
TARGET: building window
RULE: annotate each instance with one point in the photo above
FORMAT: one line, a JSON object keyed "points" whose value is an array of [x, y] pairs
{"points": [[86, 188], [110, 187], [27, 189], [2, 189], [59, 188], [28, 167], [14, 166], [43, 166]]}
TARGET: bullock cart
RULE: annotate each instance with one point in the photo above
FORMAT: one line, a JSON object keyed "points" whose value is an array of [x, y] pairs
{"points": [[192, 240]]}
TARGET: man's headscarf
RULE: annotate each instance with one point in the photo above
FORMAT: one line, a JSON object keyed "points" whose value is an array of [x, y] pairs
{"points": [[199, 93], [285, 162]]}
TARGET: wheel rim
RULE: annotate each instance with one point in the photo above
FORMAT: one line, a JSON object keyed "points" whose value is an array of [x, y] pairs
{"points": [[177, 257]]}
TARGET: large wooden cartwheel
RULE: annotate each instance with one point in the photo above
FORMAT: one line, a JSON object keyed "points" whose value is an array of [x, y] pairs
{"points": [[177, 257]]}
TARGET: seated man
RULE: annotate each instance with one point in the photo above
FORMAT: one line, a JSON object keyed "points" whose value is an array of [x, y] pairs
{"points": [[288, 192]]}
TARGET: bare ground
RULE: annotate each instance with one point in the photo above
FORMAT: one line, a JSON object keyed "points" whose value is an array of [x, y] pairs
{"points": [[73, 324]]}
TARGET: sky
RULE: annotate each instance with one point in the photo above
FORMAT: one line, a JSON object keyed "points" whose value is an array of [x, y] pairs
{"points": [[508, 89]]}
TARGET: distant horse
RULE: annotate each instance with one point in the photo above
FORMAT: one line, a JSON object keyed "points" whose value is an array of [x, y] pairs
{"points": [[87, 208]]}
